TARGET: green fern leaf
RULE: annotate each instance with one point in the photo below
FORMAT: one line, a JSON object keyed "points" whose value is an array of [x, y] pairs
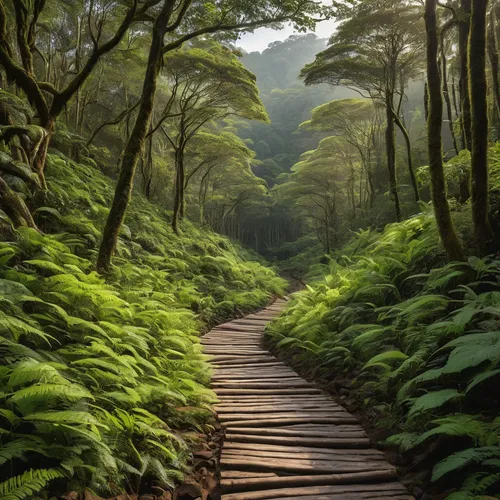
{"points": [[433, 400], [29, 483], [459, 460]]}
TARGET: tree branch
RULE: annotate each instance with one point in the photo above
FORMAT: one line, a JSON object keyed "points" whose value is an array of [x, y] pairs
{"points": [[65, 95]]}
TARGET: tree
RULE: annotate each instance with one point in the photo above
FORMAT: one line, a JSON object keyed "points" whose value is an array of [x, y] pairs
{"points": [[208, 84], [180, 22], [357, 121], [449, 237], [48, 99], [209, 153], [463, 43], [485, 238], [323, 187], [376, 51]]}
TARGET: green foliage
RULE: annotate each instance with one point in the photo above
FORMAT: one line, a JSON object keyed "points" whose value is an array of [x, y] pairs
{"points": [[105, 380], [424, 339]]}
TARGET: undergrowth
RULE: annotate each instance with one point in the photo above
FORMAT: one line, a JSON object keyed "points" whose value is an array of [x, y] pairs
{"points": [[102, 382], [420, 342]]}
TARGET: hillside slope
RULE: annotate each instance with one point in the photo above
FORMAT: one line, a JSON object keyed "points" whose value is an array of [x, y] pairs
{"points": [[102, 383], [414, 345]]}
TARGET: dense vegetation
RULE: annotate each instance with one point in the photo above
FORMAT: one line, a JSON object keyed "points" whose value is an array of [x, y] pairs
{"points": [[403, 321], [103, 382], [135, 136]]}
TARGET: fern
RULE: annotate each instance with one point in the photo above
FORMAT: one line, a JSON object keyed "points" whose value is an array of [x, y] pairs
{"points": [[456, 462], [25, 485]]}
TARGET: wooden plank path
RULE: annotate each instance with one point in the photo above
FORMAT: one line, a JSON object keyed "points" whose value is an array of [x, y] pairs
{"points": [[284, 438]]}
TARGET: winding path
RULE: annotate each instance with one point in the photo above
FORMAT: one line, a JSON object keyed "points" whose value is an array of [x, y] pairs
{"points": [[284, 438]]}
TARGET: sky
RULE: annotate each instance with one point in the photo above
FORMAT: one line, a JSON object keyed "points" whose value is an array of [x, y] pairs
{"points": [[262, 37]]}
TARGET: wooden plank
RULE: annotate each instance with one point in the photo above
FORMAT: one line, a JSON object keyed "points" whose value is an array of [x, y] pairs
{"points": [[292, 410], [299, 433], [240, 474], [268, 392], [390, 491], [268, 417], [242, 364], [299, 449], [300, 441], [289, 420], [239, 485], [263, 408], [282, 465], [294, 455], [263, 385]]}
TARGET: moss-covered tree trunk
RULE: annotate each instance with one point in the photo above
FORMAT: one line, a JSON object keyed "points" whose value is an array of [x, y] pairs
{"points": [[390, 147], [479, 113], [135, 142], [179, 188], [411, 170], [449, 237], [463, 37], [446, 94], [495, 68]]}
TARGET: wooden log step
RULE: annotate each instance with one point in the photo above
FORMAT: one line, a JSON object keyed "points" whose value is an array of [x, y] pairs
{"points": [[224, 409], [231, 327], [300, 441], [251, 447], [353, 496], [224, 336], [389, 491], [249, 367], [285, 379], [276, 399], [262, 385], [215, 354], [276, 422], [284, 466], [273, 408], [293, 455], [242, 360], [251, 431], [239, 474], [248, 322], [266, 417], [238, 485], [255, 369], [254, 376], [268, 392]]}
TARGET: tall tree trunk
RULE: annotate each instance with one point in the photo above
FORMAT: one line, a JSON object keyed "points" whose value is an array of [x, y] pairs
{"points": [[479, 154], [454, 96], [411, 171], [446, 95], [449, 237], [495, 68], [149, 166], [390, 146], [135, 143], [426, 101], [463, 37], [179, 181]]}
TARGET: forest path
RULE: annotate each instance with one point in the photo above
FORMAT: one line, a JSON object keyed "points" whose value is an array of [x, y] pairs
{"points": [[284, 438]]}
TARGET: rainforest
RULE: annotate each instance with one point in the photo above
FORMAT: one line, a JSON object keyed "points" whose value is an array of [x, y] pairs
{"points": [[165, 175]]}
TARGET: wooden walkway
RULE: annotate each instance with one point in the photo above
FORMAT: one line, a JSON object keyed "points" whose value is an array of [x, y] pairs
{"points": [[284, 438]]}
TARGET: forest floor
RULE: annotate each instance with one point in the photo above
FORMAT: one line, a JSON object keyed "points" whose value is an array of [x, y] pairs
{"points": [[282, 436]]}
